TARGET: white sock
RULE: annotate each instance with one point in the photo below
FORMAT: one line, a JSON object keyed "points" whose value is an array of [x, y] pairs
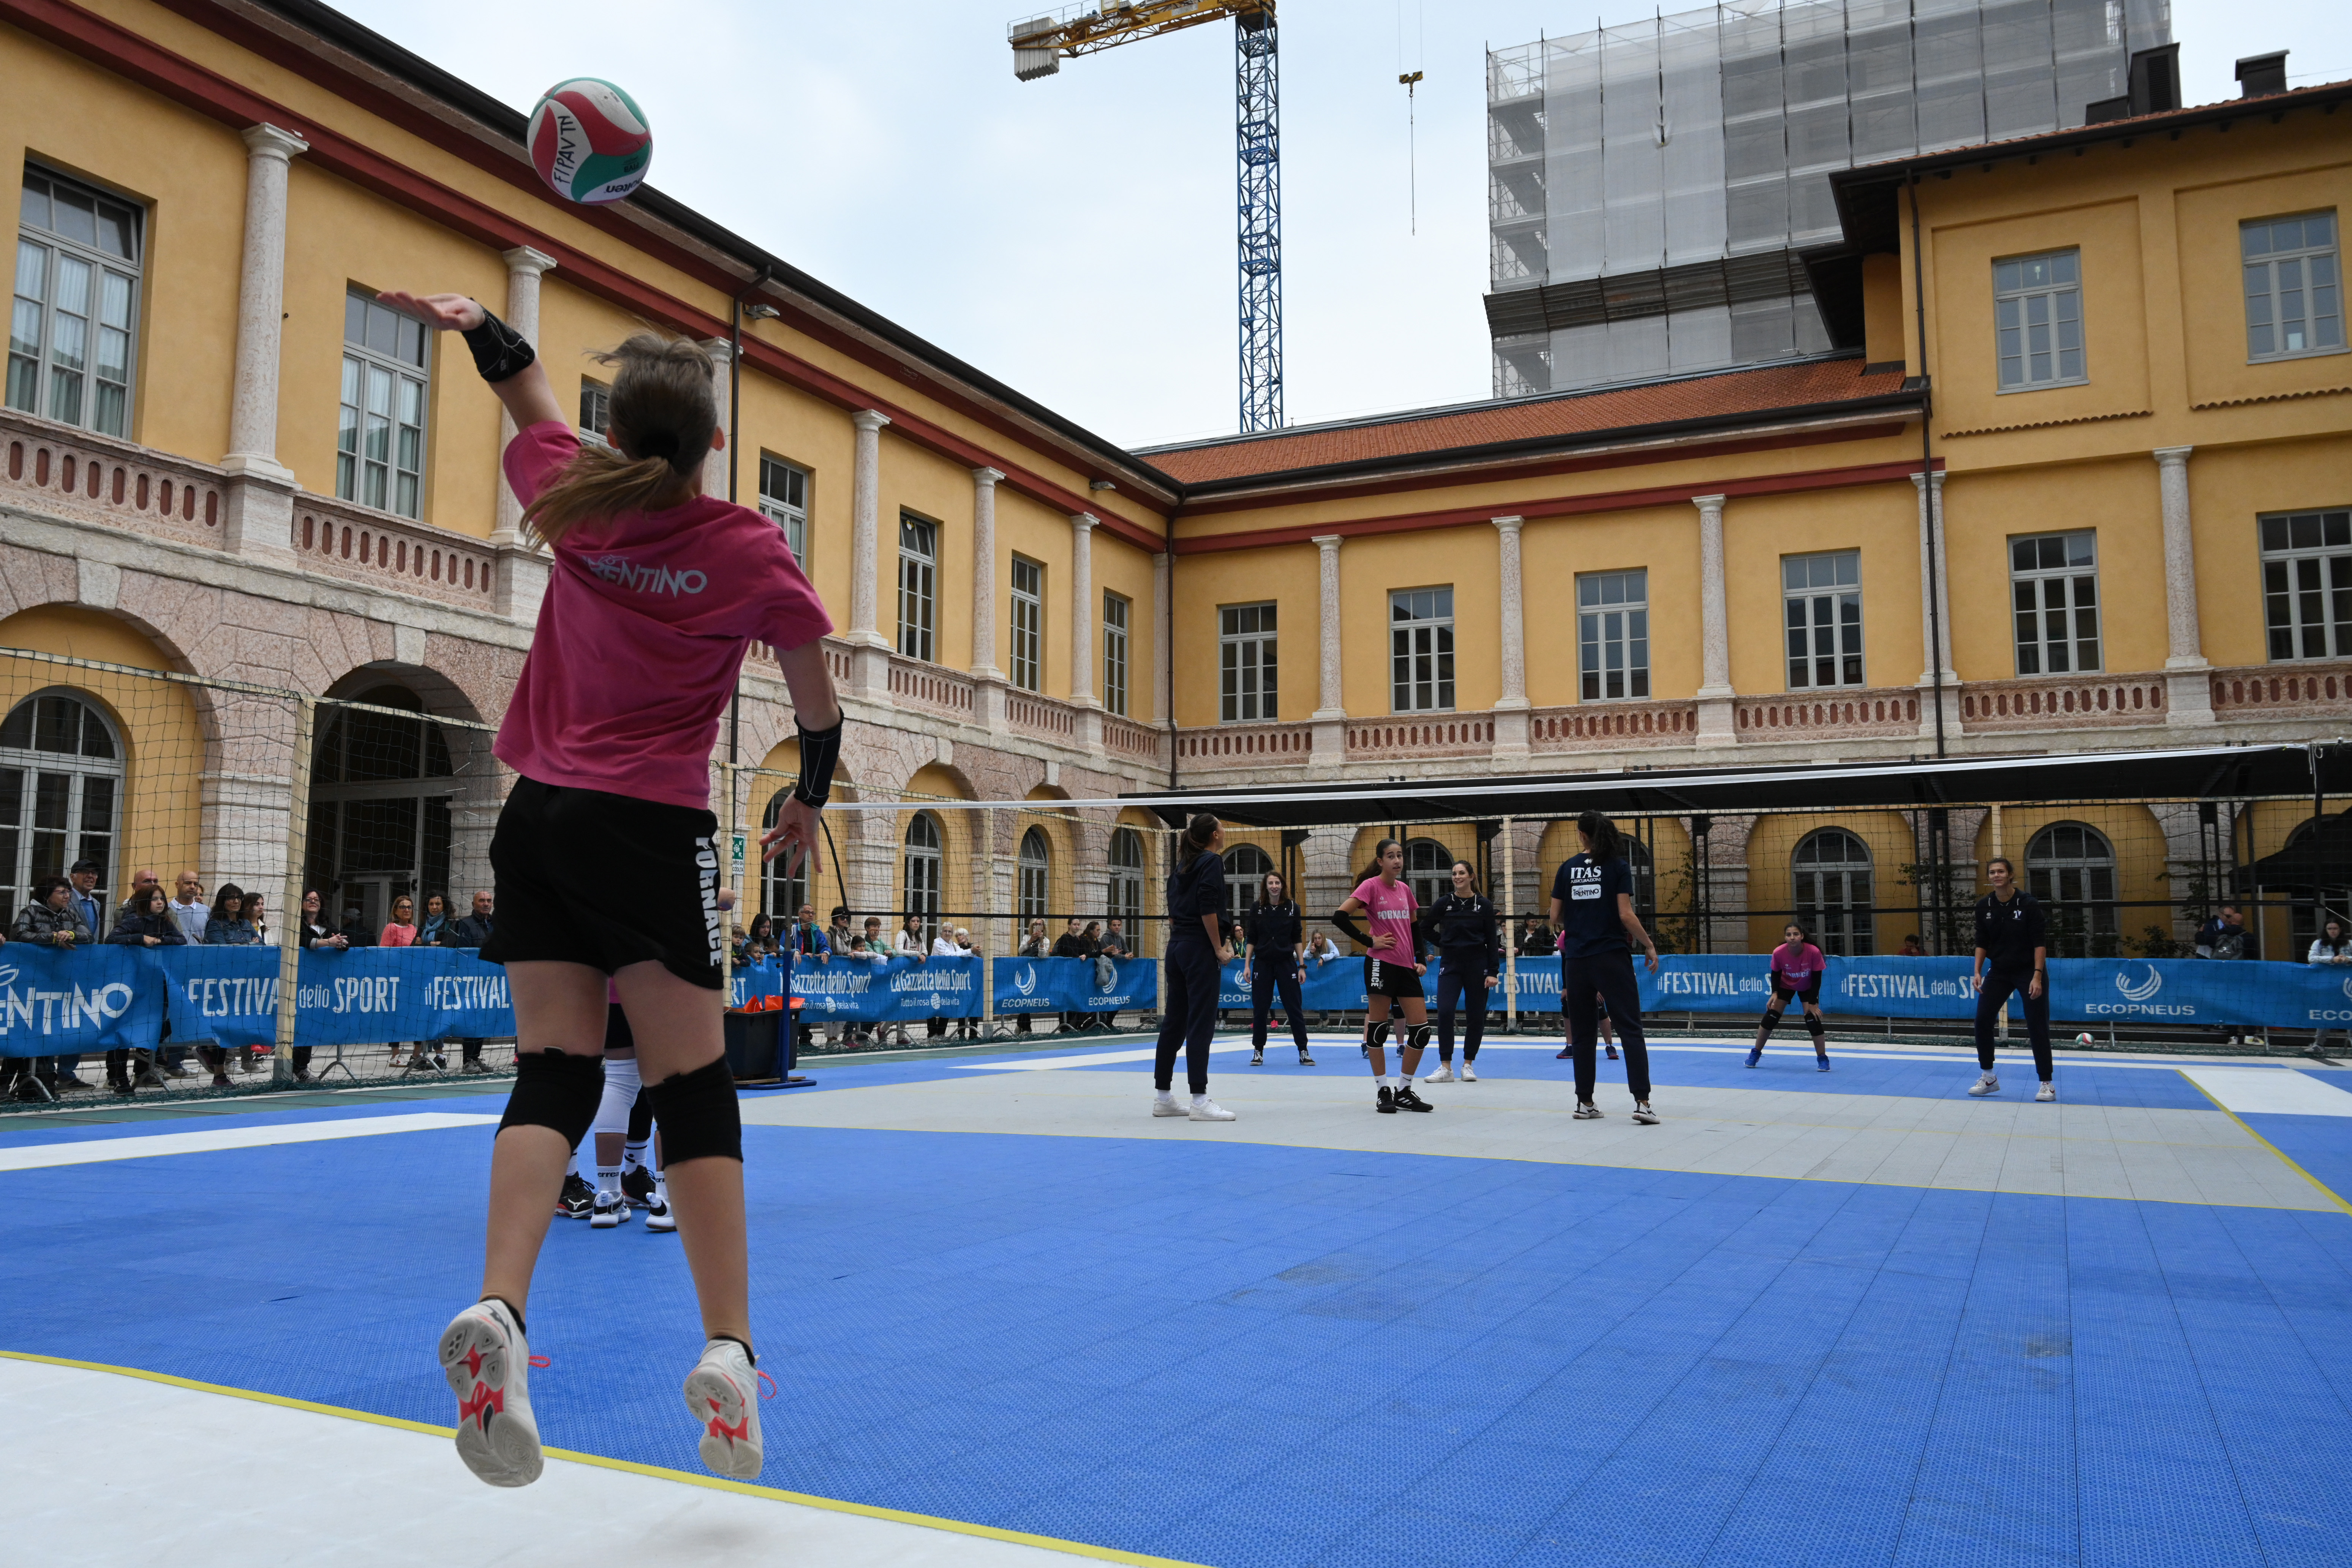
{"points": [[632, 1156], [572, 1166], [608, 1180], [1404, 1080], [1165, 1096], [661, 1185], [1200, 1100]]}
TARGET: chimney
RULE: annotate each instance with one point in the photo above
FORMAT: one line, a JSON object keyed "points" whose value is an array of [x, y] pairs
{"points": [[2259, 76], [2156, 79]]}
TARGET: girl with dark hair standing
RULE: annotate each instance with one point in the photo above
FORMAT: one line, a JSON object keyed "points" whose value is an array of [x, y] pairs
{"points": [[1277, 939], [1196, 952], [1592, 906], [2013, 957], [1392, 971], [1462, 929], [1797, 969]]}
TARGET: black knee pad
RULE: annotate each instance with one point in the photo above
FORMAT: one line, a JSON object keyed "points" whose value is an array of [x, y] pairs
{"points": [[641, 1119], [699, 1117], [1380, 1035], [1814, 1027], [1771, 1019], [554, 1090], [1417, 1039]]}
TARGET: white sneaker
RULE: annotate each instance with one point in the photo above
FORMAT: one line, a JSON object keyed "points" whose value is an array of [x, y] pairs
{"points": [[1444, 1074], [1469, 1073], [1209, 1111], [1643, 1114], [1988, 1084], [2048, 1091], [488, 1365], [659, 1215], [722, 1394], [610, 1211], [1168, 1108]]}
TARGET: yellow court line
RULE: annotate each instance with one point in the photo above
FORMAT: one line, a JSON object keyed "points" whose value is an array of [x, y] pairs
{"points": [[2325, 1189], [895, 1515]]}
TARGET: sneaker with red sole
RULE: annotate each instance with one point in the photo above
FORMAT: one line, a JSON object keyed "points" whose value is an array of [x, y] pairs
{"points": [[484, 1356], [722, 1393]]}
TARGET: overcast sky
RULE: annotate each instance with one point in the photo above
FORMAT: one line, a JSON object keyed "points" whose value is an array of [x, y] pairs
{"points": [[1074, 235]]}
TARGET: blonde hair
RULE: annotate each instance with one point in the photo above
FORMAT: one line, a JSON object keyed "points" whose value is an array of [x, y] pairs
{"points": [[663, 414]]}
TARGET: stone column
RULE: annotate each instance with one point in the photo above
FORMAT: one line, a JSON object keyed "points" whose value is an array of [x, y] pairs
{"points": [[2189, 700], [521, 579], [988, 692], [719, 465], [1716, 726], [1163, 635], [1330, 716], [870, 650], [1935, 610], [260, 516], [1085, 624], [1511, 708]]}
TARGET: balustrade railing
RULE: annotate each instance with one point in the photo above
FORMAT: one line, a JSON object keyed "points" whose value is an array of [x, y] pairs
{"points": [[929, 685], [1613, 726], [97, 478], [2063, 702], [1041, 716], [1801, 717], [1448, 737], [1245, 746], [379, 549], [2260, 692], [1136, 742]]}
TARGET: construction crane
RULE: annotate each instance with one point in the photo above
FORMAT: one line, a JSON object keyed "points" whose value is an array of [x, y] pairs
{"points": [[1040, 45]]}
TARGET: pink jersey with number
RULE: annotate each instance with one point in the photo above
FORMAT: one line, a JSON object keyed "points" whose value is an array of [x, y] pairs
{"points": [[1391, 908], [642, 635], [1798, 966]]}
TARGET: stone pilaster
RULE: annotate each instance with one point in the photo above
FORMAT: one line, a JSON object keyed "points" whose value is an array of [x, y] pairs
{"points": [[719, 464], [524, 267], [988, 692], [1935, 610], [1511, 708], [1085, 624], [869, 663], [1330, 716], [260, 515], [1715, 725], [2189, 700], [1163, 634]]}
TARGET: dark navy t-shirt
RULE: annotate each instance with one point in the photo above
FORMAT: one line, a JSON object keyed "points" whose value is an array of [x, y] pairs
{"points": [[1587, 891]]}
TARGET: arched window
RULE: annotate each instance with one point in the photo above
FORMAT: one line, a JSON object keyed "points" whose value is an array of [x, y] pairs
{"points": [[1036, 864], [1244, 864], [1428, 869], [1124, 892], [921, 863], [2070, 868], [781, 892], [1832, 877], [380, 784], [60, 793]]}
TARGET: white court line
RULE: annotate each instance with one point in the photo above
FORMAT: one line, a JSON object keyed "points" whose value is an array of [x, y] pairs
{"points": [[91, 1151], [2260, 1090], [1949, 1057]]}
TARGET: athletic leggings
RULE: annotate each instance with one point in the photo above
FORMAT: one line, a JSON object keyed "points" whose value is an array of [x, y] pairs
{"points": [[1187, 1014], [1470, 981], [1996, 990], [1270, 972], [1611, 975]]}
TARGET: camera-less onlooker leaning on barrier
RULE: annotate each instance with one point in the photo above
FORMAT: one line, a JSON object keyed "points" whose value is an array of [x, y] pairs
{"points": [[49, 920], [228, 926], [2224, 936], [472, 930], [188, 907], [314, 933], [145, 920]]}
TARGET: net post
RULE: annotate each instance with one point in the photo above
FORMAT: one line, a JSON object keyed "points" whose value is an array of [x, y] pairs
{"points": [[1510, 929], [997, 925], [290, 922]]}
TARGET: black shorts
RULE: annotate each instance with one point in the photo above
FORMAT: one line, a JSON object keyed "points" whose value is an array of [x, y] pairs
{"points": [[606, 881], [1390, 979], [1810, 995]]}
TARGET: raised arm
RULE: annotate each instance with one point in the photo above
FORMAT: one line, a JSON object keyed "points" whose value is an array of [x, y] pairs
{"points": [[524, 389], [818, 714]]}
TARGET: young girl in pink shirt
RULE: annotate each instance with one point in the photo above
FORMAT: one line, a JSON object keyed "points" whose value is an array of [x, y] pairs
{"points": [[1797, 970], [1392, 971], [606, 851]]}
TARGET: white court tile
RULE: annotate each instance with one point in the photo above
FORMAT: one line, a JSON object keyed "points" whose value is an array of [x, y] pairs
{"points": [[147, 1146], [2276, 1092], [255, 1485]]}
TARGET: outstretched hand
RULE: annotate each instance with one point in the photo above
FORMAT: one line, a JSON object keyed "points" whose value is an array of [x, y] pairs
{"points": [[795, 834], [442, 312]]}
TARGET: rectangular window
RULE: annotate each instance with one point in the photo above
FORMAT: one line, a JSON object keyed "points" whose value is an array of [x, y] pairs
{"points": [[918, 567], [70, 328], [1612, 635], [1421, 650], [1028, 622], [783, 500], [2037, 303], [2293, 287], [1246, 664], [2054, 595], [1116, 610], [380, 444], [2307, 584], [595, 410], [1822, 604]]}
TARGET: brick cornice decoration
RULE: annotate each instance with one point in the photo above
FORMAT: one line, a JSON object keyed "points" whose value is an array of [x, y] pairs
{"points": [[1565, 506], [207, 92]]}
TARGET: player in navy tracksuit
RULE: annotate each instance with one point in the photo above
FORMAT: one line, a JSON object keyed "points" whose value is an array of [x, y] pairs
{"points": [[1461, 925], [1593, 907], [2013, 957]]}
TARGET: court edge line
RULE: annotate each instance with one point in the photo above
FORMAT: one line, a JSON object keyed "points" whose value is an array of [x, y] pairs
{"points": [[747, 1488], [2325, 1191]]}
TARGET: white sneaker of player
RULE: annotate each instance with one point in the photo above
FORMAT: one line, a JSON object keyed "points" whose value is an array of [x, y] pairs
{"points": [[659, 1215], [1987, 1084], [1166, 1105], [1444, 1074], [1469, 1073], [1209, 1111], [2048, 1091], [722, 1394], [488, 1365], [610, 1209]]}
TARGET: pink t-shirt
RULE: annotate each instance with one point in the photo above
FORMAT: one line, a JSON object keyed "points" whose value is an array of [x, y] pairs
{"points": [[397, 935], [1796, 967], [641, 637], [1392, 910]]}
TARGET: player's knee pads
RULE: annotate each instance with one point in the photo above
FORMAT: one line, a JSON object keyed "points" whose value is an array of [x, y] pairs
{"points": [[641, 1119], [700, 1117], [1814, 1027], [621, 1094], [1417, 1039], [1380, 1035], [1772, 1016], [556, 1089]]}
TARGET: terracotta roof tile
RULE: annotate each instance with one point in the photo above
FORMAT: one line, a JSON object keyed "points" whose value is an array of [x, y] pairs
{"points": [[1760, 391]]}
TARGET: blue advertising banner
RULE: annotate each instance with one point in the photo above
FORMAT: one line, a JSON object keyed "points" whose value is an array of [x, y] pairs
{"points": [[895, 990], [1067, 985], [224, 995], [758, 981], [1028, 985], [56, 1001], [371, 995], [1899, 987]]}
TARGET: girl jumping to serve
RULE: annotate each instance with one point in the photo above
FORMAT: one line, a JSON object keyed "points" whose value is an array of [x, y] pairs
{"points": [[606, 851]]}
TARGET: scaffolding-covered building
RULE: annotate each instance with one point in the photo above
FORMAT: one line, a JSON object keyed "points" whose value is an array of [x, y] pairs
{"points": [[1653, 187]]}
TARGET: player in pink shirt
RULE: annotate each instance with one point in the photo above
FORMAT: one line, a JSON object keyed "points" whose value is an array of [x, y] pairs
{"points": [[1797, 970], [607, 850], [1392, 968]]}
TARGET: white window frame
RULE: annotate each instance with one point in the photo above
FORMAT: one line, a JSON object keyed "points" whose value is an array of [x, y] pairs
{"points": [[1618, 627], [918, 585], [1821, 619], [108, 321], [1034, 881], [1026, 644], [76, 837], [783, 500], [2077, 891], [1118, 614], [1248, 684], [1123, 890], [1844, 926], [597, 411], [2067, 588], [922, 861], [2299, 580], [783, 886], [2307, 276], [1421, 650], [1245, 865], [1428, 869], [365, 366], [2048, 284]]}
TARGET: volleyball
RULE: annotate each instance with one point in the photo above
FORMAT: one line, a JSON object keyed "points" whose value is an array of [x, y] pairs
{"points": [[2084, 1040], [589, 140]]}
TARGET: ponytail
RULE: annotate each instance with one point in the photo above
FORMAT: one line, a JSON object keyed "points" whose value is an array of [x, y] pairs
{"points": [[664, 413], [1607, 843], [1199, 832]]}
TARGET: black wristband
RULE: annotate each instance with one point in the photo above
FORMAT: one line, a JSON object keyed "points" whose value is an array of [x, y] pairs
{"points": [[820, 751], [500, 351], [1347, 922]]}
